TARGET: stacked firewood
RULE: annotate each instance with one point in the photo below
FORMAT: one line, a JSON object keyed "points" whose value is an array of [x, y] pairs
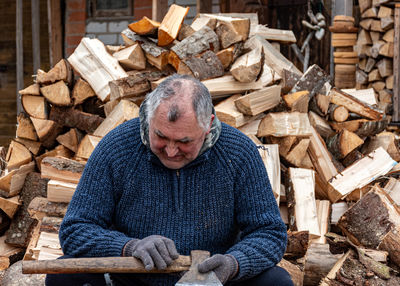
{"points": [[331, 164], [344, 38], [375, 46]]}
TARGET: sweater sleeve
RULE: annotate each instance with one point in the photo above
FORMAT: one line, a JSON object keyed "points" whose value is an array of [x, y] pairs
{"points": [[263, 233], [87, 226]]}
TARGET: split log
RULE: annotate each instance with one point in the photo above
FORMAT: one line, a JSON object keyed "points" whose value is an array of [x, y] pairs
{"points": [[365, 95], [74, 118], [297, 244], [48, 246], [297, 101], [248, 66], [385, 67], [81, 91], [300, 198], [298, 156], [86, 146], [199, 42], [96, 66], [343, 143], [289, 79], [285, 143], [332, 274], [273, 35], [227, 112], [124, 111], [318, 262], [144, 26], [8, 255], [259, 101], [171, 24], [57, 93], [367, 169], [47, 130], [61, 169], [312, 80], [386, 140], [25, 128], [9, 206], [61, 71], [322, 161], [392, 188], [321, 125], [41, 207], [184, 32], [21, 226], [228, 56], [206, 66], [156, 56], [362, 127], [272, 57], [129, 87], [201, 20], [33, 146], [352, 157], [131, 57], [389, 36], [370, 220], [33, 89], [387, 50], [338, 209], [227, 84], [60, 151], [354, 105], [285, 124], [270, 156], [231, 30], [70, 139], [251, 128], [323, 214], [60, 191], [17, 155], [12, 182], [35, 106]]}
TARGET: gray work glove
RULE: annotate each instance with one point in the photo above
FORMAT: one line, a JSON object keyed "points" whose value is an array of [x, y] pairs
{"points": [[154, 250], [224, 266]]}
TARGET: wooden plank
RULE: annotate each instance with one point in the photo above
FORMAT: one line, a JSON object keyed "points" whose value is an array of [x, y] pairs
{"points": [[159, 9], [204, 6], [366, 170], [35, 10], [19, 52], [55, 31], [396, 65]]}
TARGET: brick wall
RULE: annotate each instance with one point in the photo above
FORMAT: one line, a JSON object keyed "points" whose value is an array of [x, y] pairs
{"points": [[75, 24]]}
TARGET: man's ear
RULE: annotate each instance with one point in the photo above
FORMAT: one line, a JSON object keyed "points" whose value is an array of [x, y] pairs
{"points": [[211, 122]]}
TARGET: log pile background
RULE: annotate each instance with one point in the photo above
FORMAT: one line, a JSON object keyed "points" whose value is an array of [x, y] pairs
{"points": [[375, 47], [330, 156]]}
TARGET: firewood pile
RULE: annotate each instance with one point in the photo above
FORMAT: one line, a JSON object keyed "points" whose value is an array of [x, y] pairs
{"points": [[329, 153], [375, 48]]}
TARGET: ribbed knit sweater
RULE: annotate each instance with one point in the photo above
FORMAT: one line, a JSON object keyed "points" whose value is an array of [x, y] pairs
{"points": [[221, 202]]}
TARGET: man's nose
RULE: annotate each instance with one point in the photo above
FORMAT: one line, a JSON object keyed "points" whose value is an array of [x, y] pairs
{"points": [[171, 149]]}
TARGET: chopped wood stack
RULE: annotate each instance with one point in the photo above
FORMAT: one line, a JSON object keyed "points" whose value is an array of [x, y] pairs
{"points": [[331, 163], [344, 37], [375, 47]]}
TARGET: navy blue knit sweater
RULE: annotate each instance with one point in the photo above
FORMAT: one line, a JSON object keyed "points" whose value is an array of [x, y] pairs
{"points": [[221, 202]]}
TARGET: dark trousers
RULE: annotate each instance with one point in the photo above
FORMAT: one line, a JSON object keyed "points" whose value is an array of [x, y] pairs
{"points": [[275, 276]]}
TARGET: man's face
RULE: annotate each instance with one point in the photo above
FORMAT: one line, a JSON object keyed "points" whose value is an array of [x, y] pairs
{"points": [[176, 143]]}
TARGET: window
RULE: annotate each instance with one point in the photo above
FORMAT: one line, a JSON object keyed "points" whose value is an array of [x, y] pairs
{"points": [[109, 8]]}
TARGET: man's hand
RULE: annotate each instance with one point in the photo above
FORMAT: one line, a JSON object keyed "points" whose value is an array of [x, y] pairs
{"points": [[154, 250], [224, 266]]}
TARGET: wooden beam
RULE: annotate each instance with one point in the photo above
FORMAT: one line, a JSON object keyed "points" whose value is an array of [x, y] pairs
{"points": [[396, 65], [204, 6], [160, 8], [20, 52], [35, 11], [55, 31]]}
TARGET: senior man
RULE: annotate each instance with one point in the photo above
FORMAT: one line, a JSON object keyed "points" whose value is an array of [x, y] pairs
{"points": [[173, 181]]}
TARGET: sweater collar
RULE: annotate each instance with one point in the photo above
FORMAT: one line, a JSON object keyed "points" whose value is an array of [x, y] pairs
{"points": [[209, 141]]}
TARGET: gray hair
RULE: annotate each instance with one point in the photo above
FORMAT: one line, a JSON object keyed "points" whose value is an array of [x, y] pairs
{"points": [[172, 86]]}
